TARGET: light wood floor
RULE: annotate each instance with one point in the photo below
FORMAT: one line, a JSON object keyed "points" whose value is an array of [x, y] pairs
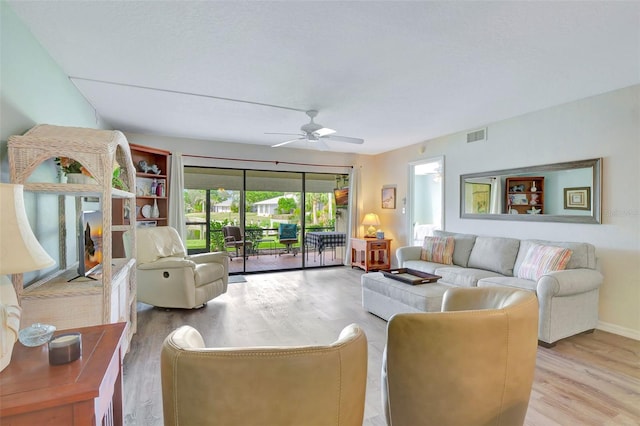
{"points": [[591, 379]]}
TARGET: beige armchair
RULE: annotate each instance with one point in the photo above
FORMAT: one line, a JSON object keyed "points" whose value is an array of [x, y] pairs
{"points": [[470, 367], [306, 385], [167, 277]]}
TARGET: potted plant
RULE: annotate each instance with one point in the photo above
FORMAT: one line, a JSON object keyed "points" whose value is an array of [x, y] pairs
{"points": [[73, 170]]}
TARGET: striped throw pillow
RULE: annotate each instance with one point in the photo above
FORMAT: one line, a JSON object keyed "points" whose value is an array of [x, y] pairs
{"points": [[542, 259], [438, 250]]}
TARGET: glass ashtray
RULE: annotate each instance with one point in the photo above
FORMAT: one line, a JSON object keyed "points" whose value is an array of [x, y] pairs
{"points": [[37, 334]]}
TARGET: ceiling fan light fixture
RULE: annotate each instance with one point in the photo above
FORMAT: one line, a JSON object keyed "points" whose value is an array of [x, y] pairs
{"points": [[324, 132]]}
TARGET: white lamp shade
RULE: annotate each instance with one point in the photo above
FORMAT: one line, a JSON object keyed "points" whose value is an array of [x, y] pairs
{"points": [[20, 250], [371, 219]]}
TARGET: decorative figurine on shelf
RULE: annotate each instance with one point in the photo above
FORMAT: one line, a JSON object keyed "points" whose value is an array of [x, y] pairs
{"points": [[143, 166], [534, 199], [533, 187], [146, 168], [517, 188]]}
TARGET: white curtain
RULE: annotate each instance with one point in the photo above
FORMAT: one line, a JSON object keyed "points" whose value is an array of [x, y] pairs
{"points": [[354, 212], [176, 199]]}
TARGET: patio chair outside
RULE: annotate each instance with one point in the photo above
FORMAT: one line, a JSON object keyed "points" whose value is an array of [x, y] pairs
{"points": [[288, 235]]}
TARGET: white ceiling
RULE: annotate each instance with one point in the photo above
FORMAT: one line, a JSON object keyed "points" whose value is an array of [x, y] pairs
{"points": [[392, 73]]}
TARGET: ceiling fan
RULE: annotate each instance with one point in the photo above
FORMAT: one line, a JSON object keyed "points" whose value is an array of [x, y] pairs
{"points": [[316, 134]]}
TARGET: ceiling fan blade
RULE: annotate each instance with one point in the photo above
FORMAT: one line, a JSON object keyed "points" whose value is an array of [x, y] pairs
{"points": [[343, 139], [286, 134], [325, 131], [286, 142]]}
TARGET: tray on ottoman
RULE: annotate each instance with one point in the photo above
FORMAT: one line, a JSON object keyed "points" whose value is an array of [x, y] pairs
{"points": [[411, 276]]}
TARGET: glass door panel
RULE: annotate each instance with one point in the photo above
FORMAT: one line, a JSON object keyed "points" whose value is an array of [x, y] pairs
{"points": [[272, 199], [213, 198], [325, 226]]}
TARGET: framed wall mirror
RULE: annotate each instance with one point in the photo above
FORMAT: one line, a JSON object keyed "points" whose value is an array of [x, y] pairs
{"points": [[560, 192]]}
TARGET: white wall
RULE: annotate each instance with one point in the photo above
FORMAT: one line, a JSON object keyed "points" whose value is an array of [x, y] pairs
{"points": [[604, 126]]}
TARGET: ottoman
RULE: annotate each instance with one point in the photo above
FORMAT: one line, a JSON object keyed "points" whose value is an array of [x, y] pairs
{"points": [[385, 297]]}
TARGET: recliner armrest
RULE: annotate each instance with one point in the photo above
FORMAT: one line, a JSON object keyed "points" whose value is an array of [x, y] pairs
{"points": [[168, 263], [212, 257]]}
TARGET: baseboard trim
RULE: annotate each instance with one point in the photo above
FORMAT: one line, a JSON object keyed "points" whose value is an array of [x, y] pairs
{"points": [[616, 329]]}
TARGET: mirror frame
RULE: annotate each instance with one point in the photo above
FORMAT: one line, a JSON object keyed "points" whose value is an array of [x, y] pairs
{"points": [[594, 218]]}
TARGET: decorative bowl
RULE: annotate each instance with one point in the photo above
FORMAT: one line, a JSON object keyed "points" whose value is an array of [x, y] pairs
{"points": [[36, 334]]}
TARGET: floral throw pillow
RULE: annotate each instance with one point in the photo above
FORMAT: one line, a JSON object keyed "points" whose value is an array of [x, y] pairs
{"points": [[542, 259], [438, 250]]}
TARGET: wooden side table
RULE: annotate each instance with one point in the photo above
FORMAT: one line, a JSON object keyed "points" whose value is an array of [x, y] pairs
{"points": [[87, 391], [371, 254]]}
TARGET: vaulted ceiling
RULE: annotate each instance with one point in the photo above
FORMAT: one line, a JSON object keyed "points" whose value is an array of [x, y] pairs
{"points": [[392, 73]]}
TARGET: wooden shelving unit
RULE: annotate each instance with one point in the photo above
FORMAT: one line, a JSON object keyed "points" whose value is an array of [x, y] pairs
{"points": [[144, 183], [111, 296], [524, 195]]}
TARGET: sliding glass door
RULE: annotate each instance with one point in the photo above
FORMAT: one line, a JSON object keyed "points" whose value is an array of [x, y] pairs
{"points": [[261, 206]]}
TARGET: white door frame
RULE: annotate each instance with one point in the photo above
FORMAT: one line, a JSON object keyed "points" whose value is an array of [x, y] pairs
{"points": [[411, 196]]}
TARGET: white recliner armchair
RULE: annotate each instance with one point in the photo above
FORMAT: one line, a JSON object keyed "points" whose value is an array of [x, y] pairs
{"points": [[167, 277]]}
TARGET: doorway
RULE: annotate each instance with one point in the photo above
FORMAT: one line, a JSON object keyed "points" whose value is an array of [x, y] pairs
{"points": [[426, 198]]}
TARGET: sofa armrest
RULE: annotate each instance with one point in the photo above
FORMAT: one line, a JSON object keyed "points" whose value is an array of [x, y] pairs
{"points": [[407, 253], [568, 282], [172, 263], [211, 257]]}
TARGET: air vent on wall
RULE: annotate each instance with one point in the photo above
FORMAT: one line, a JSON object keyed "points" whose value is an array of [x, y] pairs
{"points": [[477, 135]]}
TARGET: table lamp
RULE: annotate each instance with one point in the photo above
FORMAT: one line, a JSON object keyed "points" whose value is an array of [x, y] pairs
{"points": [[371, 220], [20, 252]]}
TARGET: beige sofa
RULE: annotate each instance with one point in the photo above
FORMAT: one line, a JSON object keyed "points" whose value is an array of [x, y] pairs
{"points": [[568, 299]]}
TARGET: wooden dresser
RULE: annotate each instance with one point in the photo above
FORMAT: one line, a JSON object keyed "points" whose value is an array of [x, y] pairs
{"points": [[87, 391]]}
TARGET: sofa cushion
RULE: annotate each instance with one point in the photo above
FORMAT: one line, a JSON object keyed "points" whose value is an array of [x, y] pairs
{"points": [[422, 265], [542, 259], [463, 243], [508, 282], [495, 254], [462, 277], [583, 254], [437, 249]]}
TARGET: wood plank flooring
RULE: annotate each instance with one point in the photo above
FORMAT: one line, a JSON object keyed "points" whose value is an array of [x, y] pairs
{"points": [[590, 379]]}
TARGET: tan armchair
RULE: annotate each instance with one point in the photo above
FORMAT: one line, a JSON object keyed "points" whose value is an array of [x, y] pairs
{"points": [[306, 385], [167, 277], [470, 367]]}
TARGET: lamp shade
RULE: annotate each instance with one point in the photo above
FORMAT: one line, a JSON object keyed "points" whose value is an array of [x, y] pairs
{"points": [[371, 220], [20, 251]]}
